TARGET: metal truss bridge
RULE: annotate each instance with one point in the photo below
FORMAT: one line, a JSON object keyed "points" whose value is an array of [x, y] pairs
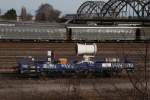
{"points": [[113, 10]]}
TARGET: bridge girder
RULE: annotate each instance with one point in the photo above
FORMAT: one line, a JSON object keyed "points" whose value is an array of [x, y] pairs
{"points": [[118, 5], [146, 9], [113, 8], [90, 9]]}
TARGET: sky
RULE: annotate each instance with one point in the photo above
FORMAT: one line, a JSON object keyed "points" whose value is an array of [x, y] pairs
{"points": [[65, 6]]}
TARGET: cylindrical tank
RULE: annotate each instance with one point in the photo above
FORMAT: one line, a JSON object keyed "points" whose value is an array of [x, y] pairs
{"points": [[84, 49], [63, 61]]}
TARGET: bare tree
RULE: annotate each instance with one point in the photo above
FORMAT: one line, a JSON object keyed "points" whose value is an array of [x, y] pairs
{"points": [[23, 14], [0, 11], [46, 12], [138, 79]]}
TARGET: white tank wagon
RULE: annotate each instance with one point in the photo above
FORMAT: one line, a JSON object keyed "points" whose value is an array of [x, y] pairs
{"points": [[32, 33]]}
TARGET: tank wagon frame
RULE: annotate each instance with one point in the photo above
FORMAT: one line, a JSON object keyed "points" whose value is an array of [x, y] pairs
{"points": [[38, 68]]}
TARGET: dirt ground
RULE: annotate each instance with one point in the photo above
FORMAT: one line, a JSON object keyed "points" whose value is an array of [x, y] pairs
{"points": [[67, 89]]}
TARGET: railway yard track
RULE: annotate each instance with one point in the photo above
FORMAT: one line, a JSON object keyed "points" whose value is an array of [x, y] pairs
{"points": [[11, 52]]}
